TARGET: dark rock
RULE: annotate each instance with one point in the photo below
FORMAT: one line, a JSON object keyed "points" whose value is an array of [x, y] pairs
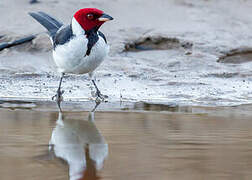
{"points": [[237, 56], [157, 43], [33, 1]]}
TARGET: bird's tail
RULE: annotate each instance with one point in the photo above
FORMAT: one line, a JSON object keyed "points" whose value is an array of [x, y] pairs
{"points": [[50, 23]]}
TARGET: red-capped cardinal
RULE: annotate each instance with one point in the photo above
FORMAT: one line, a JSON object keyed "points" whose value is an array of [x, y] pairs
{"points": [[78, 48]]}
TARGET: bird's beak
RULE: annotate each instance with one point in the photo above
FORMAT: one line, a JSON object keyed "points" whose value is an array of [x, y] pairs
{"points": [[105, 18]]}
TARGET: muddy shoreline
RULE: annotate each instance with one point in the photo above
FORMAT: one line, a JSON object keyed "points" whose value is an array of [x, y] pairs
{"points": [[125, 106], [196, 54]]}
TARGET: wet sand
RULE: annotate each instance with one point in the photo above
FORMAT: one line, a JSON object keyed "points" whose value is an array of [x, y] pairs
{"points": [[185, 52], [141, 142]]}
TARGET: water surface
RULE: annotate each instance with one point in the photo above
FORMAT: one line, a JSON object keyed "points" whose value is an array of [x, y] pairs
{"points": [[141, 143]]}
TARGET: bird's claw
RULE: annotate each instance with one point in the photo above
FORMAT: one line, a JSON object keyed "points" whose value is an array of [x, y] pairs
{"points": [[100, 97], [58, 97]]}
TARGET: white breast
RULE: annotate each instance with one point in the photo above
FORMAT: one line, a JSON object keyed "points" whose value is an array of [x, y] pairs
{"points": [[70, 57]]}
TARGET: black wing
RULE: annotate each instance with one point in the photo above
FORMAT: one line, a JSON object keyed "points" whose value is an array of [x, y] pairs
{"points": [[62, 36], [50, 23], [102, 35]]}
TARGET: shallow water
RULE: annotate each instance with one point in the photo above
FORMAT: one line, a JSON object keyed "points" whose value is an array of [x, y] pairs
{"points": [[146, 142]]}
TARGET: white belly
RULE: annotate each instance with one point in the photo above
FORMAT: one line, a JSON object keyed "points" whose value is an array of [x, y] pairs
{"points": [[70, 57]]}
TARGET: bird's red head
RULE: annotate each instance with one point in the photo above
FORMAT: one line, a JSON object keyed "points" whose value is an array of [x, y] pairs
{"points": [[89, 18]]}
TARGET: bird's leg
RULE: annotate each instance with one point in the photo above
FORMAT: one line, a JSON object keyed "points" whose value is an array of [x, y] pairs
{"points": [[58, 96], [98, 92], [99, 96]]}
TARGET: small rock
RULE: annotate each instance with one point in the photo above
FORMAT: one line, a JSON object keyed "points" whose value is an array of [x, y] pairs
{"points": [[188, 53], [33, 1]]}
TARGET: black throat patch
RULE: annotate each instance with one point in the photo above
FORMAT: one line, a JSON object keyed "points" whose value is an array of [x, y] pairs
{"points": [[92, 39]]}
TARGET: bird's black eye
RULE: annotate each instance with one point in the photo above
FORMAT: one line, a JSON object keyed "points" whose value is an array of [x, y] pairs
{"points": [[90, 16]]}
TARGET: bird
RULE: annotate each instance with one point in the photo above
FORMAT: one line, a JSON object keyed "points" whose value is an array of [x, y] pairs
{"points": [[79, 47]]}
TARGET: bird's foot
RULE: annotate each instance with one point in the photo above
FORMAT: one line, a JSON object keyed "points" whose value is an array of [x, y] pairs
{"points": [[58, 97], [99, 97]]}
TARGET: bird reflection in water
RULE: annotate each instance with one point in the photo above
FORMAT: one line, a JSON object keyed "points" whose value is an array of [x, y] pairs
{"points": [[80, 144]]}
